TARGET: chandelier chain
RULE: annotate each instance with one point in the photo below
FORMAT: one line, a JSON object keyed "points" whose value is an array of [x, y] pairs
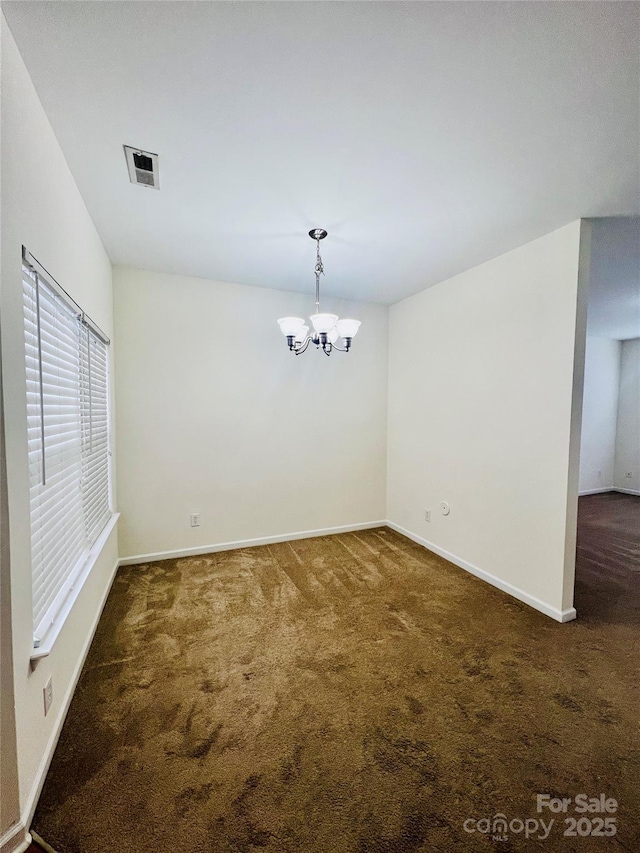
{"points": [[319, 264], [319, 270]]}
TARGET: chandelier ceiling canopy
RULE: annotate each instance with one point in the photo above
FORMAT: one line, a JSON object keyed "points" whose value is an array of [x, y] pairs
{"points": [[327, 328]]}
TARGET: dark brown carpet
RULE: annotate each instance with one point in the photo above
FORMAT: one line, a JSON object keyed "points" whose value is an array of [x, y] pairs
{"points": [[349, 694]]}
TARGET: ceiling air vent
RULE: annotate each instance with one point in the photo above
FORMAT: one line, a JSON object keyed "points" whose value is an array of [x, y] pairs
{"points": [[143, 167]]}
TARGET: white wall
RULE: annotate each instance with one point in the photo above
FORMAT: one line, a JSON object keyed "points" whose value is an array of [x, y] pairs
{"points": [[42, 209], [216, 416], [628, 435], [481, 380], [599, 414], [9, 786]]}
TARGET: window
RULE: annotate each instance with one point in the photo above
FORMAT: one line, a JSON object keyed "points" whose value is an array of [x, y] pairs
{"points": [[68, 435]]}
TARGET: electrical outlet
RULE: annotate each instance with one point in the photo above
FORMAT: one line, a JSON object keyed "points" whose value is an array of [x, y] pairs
{"points": [[427, 515], [194, 519], [47, 692]]}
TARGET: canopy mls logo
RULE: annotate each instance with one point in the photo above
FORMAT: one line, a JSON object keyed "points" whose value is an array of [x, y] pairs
{"points": [[598, 823], [499, 826]]}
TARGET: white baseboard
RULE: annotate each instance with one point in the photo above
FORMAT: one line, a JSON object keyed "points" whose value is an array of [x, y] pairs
{"points": [[246, 543], [36, 788], [532, 601], [16, 839], [610, 489], [558, 615]]}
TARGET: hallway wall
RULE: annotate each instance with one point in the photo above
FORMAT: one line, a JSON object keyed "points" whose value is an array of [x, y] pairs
{"points": [[628, 432], [599, 415]]}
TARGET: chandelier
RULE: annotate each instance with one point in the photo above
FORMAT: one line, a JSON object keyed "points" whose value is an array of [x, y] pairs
{"points": [[327, 328]]}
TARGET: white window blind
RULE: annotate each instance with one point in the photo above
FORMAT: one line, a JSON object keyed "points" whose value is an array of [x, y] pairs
{"points": [[94, 421], [68, 435]]}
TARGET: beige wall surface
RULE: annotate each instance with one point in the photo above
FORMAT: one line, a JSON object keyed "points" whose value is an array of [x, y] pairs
{"points": [[42, 210], [481, 382], [9, 785], [215, 415]]}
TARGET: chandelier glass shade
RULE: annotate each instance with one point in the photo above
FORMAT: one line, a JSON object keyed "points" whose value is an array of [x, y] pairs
{"points": [[327, 328]]}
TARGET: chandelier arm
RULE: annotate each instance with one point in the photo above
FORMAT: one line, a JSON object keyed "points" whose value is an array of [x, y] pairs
{"points": [[303, 348], [340, 349]]}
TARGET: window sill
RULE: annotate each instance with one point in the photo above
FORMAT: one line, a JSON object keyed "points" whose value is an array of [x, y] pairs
{"points": [[48, 641]]}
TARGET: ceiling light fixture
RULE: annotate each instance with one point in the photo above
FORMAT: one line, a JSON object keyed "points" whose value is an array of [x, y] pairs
{"points": [[327, 328]]}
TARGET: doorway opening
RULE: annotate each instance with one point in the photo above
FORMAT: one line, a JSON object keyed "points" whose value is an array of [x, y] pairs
{"points": [[607, 575]]}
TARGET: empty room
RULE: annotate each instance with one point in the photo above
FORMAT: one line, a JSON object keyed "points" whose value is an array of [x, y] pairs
{"points": [[320, 426]]}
